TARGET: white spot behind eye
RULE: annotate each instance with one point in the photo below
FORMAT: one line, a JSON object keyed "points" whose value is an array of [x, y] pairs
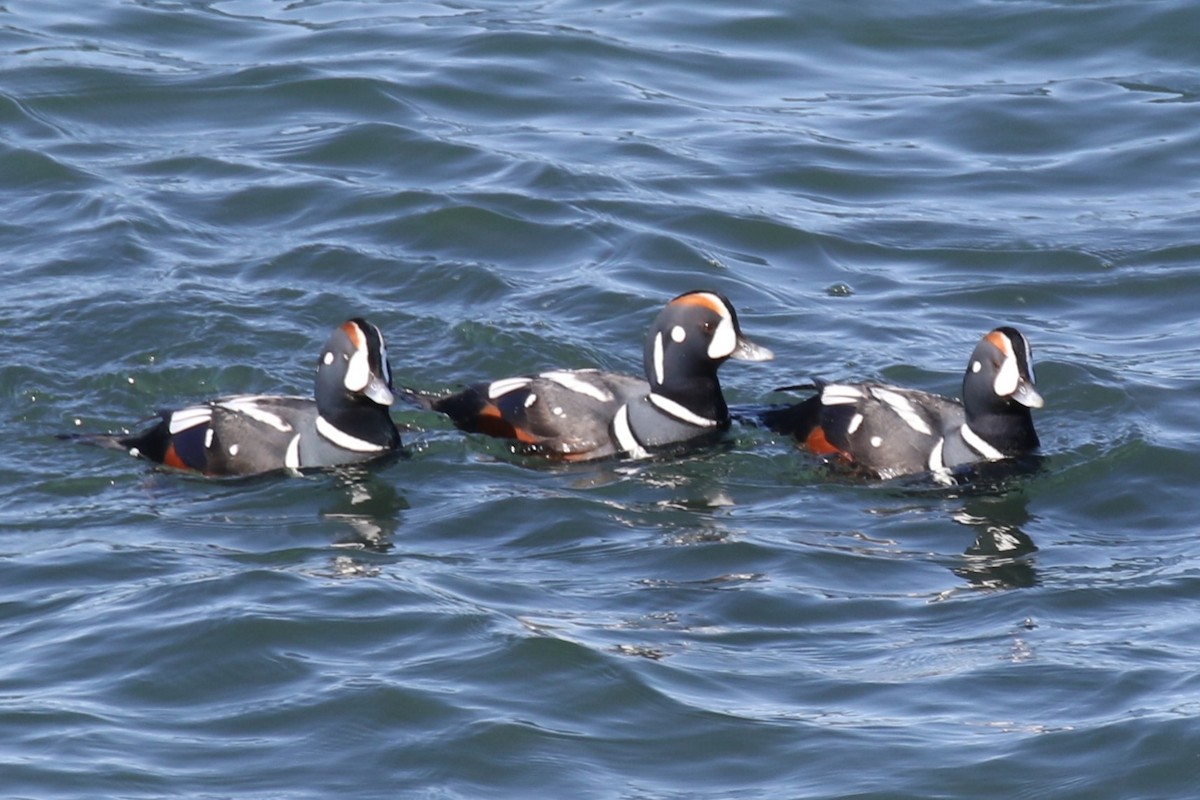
{"points": [[876, 441], [976, 366], [678, 334], [233, 449], [328, 359]]}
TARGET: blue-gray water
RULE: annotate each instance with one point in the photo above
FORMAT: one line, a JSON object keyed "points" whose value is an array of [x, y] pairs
{"points": [[194, 193]]}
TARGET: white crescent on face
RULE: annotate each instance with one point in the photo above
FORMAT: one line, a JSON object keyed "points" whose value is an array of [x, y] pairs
{"points": [[358, 371], [724, 338], [1009, 375]]}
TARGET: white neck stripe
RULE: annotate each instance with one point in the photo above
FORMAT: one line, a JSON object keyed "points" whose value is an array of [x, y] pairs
{"points": [[345, 440], [677, 411], [976, 443]]}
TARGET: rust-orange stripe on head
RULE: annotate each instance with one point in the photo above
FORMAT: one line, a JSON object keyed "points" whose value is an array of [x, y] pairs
{"points": [[1000, 342], [704, 300], [354, 334]]}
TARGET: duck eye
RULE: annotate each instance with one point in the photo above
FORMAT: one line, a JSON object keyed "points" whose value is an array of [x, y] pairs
{"points": [[709, 327]]}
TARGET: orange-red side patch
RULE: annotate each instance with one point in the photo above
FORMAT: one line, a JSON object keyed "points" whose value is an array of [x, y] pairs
{"points": [[492, 422], [172, 459], [817, 443]]}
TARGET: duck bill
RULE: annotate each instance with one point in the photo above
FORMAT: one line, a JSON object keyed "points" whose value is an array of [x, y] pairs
{"points": [[747, 350], [1027, 395], [379, 392]]}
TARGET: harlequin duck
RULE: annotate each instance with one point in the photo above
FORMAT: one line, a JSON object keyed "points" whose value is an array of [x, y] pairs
{"points": [[348, 421], [887, 431], [579, 415]]}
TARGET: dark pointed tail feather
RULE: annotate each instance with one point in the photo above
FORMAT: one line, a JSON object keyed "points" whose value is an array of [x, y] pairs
{"points": [[109, 441], [796, 420], [418, 398]]}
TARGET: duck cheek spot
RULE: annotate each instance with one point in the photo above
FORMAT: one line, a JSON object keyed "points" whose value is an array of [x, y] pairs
{"points": [[328, 359], [1007, 378], [876, 441], [976, 366], [678, 334]]}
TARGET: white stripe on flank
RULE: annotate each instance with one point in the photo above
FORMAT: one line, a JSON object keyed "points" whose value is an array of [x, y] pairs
{"points": [[976, 443], [679, 412], [935, 456], [291, 459], [571, 380], [345, 440], [624, 435]]}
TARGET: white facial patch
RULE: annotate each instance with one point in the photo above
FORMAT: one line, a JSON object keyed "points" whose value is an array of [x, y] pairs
{"points": [[976, 366], [876, 441], [678, 334], [233, 449], [659, 367], [1007, 378], [358, 371], [724, 338], [328, 359]]}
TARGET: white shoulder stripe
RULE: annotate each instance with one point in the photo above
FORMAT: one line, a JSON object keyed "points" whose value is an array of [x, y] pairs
{"points": [[571, 380], [189, 417], [249, 407], [976, 443], [504, 386], [836, 394], [345, 440], [624, 435], [679, 412], [903, 408], [291, 459]]}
